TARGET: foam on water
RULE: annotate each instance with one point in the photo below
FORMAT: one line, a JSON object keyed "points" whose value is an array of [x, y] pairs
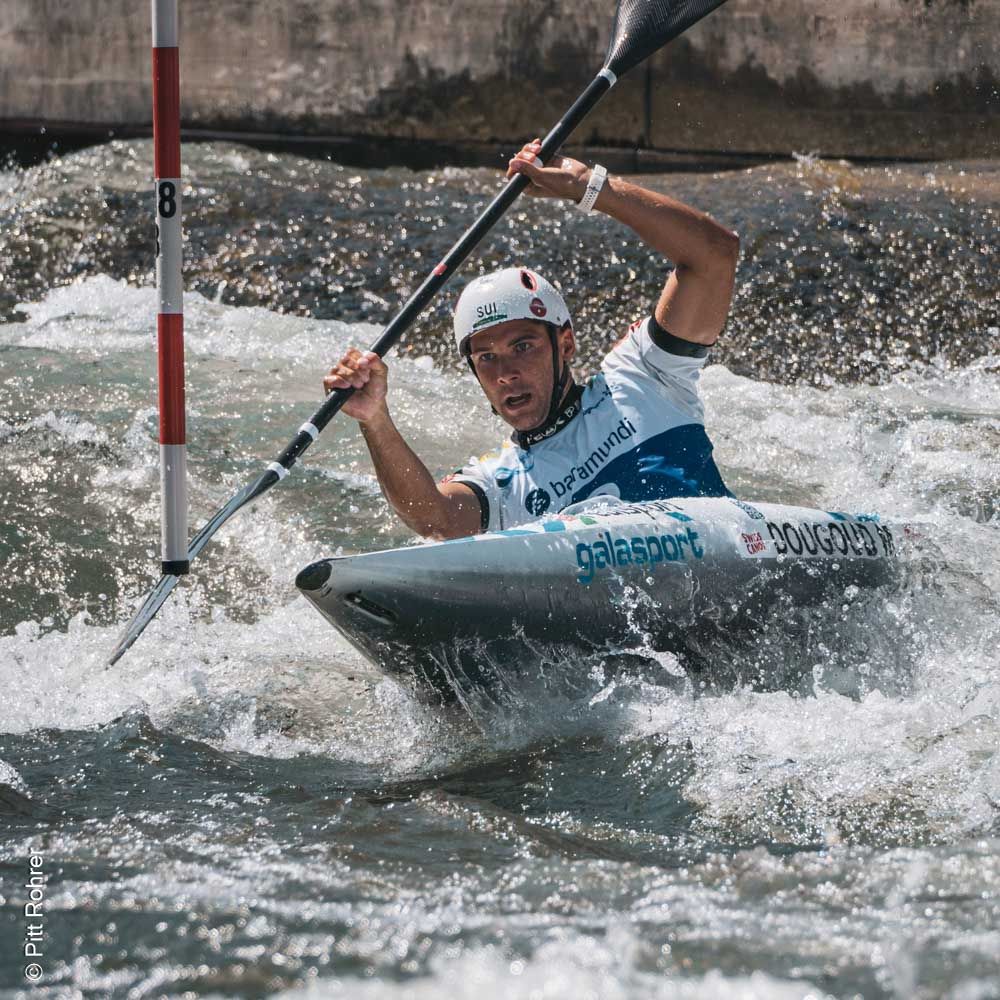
{"points": [[567, 965], [895, 786]]}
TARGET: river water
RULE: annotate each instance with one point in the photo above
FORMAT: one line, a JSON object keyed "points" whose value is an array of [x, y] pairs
{"points": [[243, 807]]}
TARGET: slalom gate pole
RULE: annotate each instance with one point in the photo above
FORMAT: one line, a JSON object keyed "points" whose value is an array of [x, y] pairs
{"points": [[170, 288]]}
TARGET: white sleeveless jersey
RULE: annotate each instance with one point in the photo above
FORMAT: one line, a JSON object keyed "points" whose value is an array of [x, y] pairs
{"points": [[636, 432]]}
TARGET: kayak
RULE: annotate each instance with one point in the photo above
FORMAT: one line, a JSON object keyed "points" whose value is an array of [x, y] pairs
{"points": [[480, 612]]}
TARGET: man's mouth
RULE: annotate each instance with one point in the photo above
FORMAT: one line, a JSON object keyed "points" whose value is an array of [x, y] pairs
{"points": [[517, 402]]}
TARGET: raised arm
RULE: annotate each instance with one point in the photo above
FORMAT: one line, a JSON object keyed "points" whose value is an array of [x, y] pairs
{"points": [[697, 295]]}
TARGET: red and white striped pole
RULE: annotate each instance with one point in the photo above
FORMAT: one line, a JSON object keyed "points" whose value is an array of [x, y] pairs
{"points": [[170, 286]]}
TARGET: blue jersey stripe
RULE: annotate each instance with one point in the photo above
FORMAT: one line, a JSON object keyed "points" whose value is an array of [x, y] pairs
{"points": [[676, 463]]}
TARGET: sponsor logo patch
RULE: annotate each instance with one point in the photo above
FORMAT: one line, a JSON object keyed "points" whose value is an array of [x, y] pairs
{"points": [[503, 475], [596, 459], [537, 502], [609, 553], [748, 509]]}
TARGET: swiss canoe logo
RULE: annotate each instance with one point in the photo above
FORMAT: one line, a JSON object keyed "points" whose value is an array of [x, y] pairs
{"points": [[537, 502], [538, 308]]}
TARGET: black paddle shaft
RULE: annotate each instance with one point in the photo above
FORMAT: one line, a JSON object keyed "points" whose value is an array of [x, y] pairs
{"points": [[405, 318]]}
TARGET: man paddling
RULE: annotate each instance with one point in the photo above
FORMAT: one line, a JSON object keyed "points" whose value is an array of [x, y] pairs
{"points": [[635, 430]]}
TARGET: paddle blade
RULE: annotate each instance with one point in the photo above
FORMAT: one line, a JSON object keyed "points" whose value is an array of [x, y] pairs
{"points": [[643, 26], [144, 616], [162, 590]]}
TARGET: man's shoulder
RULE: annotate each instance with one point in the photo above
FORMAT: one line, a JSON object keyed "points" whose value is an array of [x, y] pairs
{"points": [[597, 393], [504, 454], [631, 337]]}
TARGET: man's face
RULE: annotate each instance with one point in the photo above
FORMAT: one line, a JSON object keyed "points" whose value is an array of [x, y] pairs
{"points": [[514, 363]]}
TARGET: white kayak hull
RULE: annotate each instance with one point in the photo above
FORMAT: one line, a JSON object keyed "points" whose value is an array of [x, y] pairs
{"points": [[447, 614]]}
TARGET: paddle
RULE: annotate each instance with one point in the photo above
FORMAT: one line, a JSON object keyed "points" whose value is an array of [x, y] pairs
{"points": [[640, 28]]}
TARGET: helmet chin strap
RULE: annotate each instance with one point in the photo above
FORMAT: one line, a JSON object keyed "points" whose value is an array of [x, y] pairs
{"points": [[560, 379]]}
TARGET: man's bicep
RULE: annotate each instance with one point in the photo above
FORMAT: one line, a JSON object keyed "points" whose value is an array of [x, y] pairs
{"points": [[694, 306], [468, 510]]}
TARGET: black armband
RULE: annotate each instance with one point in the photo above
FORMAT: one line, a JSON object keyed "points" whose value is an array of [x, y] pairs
{"points": [[675, 345], [484, 504]]}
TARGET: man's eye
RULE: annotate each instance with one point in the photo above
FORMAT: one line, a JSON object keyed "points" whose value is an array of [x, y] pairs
{"points": [[486, 356], [522, 346]]}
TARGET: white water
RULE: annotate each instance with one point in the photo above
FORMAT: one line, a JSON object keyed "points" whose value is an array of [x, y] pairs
{"points": [[920, 765], [921, 448]]}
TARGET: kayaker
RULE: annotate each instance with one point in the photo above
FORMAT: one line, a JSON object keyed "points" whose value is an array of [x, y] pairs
{"points": [[634, 430]]}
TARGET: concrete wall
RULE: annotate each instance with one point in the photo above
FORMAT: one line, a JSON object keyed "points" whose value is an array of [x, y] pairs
{"points": [[913, 78]]}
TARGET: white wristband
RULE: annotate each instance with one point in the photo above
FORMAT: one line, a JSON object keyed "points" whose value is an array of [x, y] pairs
{"points": [[598, 175]]}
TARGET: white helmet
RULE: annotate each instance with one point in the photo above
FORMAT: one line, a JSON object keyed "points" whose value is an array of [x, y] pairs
{"points": [[513, 293]]}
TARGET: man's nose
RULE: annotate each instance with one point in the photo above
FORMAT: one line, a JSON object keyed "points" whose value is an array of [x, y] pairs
{"points": [[508, 370]]}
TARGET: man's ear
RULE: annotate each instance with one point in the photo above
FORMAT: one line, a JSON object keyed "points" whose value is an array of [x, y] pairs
{"points": [[567, 343]]}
